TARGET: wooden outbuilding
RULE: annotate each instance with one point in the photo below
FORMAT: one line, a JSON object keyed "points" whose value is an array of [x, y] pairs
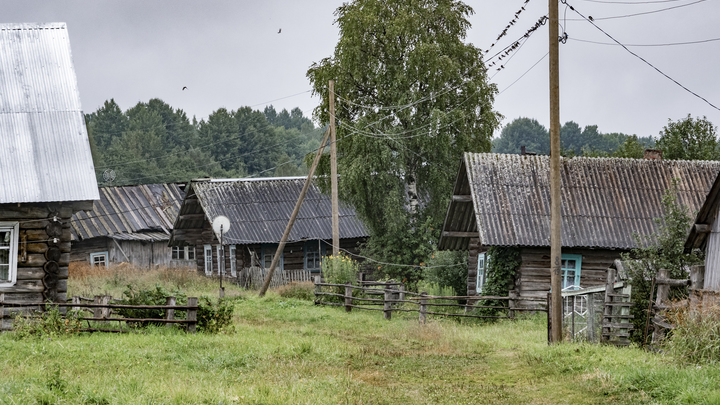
{"points": [[131, 224], [46, 169], [705, 235], [504, 200], [258, 210]]}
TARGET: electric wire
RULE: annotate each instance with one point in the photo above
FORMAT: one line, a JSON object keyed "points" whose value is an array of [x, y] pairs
{"points": [[641, 58], [523, 75], [637, 14], [632, 2], [648, 45]]}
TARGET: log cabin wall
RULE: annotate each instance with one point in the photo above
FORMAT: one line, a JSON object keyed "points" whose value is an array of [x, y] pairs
{"points": [[474, 249], [43, 255]]}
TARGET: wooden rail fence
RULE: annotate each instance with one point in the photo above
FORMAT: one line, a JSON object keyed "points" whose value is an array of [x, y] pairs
{"points": [[102, 311], [394, 294]]}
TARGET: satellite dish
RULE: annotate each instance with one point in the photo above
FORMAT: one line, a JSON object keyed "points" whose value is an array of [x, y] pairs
{"points": [[218, 222], [109, 175]]}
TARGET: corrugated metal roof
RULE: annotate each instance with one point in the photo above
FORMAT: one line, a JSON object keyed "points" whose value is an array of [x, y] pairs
{"points": [[604, 200], [46, 153], [143, 236], [259, 210], [123, 211]]}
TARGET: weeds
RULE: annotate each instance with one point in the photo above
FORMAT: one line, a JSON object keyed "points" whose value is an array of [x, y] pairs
{"points": [[50, 323], [299, 290], [696, 337]]}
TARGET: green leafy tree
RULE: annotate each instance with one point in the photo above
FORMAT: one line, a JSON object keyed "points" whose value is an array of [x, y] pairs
{"points": [[689, 139], [412, 97], [448, 269], [523, 132], [631, 148]]}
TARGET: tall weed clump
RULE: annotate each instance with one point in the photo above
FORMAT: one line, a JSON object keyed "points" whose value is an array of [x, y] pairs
{"points": [[304, 290], [696, 337], [662, 250], [340, 269], [50, 323], [447, 269]]}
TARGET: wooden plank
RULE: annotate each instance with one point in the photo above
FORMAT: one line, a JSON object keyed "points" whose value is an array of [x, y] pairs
{"points": [[462, 198], [24, 286], [457, 234]]}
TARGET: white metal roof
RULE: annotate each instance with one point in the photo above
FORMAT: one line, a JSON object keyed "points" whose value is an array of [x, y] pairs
{"points": [[44, 149]]}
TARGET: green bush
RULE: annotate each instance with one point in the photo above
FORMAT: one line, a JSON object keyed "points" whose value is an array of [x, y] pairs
{"points": [[157, 296], [302, 291], [696, 337], [339, 269], [49, 323], [214, 317], [448, 269], [502, 266]]}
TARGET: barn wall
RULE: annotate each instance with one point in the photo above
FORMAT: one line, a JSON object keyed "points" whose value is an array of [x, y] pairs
{"points": [[81, 249], [38, 278], [712, 258], [474, 249]]}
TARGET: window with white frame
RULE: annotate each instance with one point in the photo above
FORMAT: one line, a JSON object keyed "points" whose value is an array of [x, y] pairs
{"points": [[233, 261], [99, 259], [570, 266], [208, 260], [481, 272], [8, 253]]}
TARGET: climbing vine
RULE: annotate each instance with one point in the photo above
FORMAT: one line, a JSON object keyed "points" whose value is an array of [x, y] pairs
{"points": [[503, 262]]}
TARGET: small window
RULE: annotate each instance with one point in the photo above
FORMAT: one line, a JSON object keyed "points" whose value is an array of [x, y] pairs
{"points": [[208, 260], [267, 257], [233, 263], [190, 252], [8, 253], [571, 265], [99, 259], [178, 253], [312, 256], [481, 272]]}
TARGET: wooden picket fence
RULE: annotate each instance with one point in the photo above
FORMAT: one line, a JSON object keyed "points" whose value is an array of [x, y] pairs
{"points": [[102, 307], [393, 296], [254, 277]]}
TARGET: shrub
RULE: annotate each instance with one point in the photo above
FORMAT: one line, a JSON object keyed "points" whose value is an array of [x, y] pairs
{"points": [[696, 337], [339, 269], [49, 323], [448, 269], [214, 318], [157, 296], [300, 290]]}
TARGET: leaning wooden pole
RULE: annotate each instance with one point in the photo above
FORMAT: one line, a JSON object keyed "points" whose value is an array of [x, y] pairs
{"points": [[288, 228], [333, 172], [555, 202]]}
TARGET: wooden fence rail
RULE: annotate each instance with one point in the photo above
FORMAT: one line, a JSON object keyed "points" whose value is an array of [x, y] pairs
{"points": [[394, 294], [102, 311]]}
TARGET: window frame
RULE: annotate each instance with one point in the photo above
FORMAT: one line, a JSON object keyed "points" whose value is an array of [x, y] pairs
{"points": [[270, 249], [320, 251], [480, 276], [100, 254], [14, 228], [578, 271], [190, 250], [206, 249], [233, 261]]}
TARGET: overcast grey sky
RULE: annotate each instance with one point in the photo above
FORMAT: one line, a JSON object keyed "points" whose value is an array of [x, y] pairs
{"points": [[229, 54]]}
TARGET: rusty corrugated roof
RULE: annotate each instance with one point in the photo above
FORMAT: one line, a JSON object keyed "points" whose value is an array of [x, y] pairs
{"points": [[44, 143], [130, 213], [259, 210], [604, 200]]}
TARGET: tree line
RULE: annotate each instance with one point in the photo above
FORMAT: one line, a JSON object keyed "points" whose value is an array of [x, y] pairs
{"points": [[155, 143]]}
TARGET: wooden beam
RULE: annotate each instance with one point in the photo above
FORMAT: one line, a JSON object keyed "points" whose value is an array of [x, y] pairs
{"points": [[191, 216], [702, 228], [462, 198], [455, 234]]}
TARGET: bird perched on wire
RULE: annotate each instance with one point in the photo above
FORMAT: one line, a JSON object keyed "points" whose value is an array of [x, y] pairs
{"points": [[280, 30], [184, 87]]}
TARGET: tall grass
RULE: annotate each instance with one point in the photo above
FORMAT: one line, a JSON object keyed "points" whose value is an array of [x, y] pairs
{"points": [[696, 337]]}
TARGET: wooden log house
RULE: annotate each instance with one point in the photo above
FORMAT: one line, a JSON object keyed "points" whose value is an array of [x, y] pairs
{"points": [[46, 169], [131, 224], [504, 200], [259, 210]]}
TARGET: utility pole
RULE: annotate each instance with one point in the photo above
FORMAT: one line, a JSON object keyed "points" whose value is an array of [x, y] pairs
{"points": [[293, 216], [555, 202], [333, 173]]}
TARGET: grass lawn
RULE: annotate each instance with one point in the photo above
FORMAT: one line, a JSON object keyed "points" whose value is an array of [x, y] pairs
{"points": [[288, 351]]}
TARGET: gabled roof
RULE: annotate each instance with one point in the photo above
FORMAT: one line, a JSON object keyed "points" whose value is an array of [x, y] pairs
{"points": [[505, 199], [706, 217], [44, 143], [259, 210], [145, 212]]}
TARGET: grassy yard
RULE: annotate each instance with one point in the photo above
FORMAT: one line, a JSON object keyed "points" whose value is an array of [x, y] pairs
{"points": [[288, 351]]}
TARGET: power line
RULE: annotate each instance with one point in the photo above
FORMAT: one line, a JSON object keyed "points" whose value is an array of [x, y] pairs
{"points": [[648, 45], [281, 98], [523, 75], [635, 14], [632, 2], [640, 57]]}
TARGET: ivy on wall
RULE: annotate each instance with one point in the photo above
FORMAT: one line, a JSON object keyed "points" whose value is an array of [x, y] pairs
{"points": [[500, 276]]}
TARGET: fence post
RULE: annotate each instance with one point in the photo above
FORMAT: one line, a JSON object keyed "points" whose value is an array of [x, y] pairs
{"points": [[317, 289], [170, 313], [697, 283], [402, 293], [75, 300], [423, 306], [348, 297], [387, 303], [511, 304], [192, 314], [97, 311], [662, 295], [549, 318], [608, 309], [590, 318], [106, 311]]}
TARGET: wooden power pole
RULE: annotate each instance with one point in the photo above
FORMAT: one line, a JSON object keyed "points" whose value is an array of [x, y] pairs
{"points": [[333, 173], [555, 202], [291, 222]]}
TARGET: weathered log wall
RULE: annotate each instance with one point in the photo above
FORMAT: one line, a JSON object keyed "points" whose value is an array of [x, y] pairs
{"points": [[43, 254]]}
